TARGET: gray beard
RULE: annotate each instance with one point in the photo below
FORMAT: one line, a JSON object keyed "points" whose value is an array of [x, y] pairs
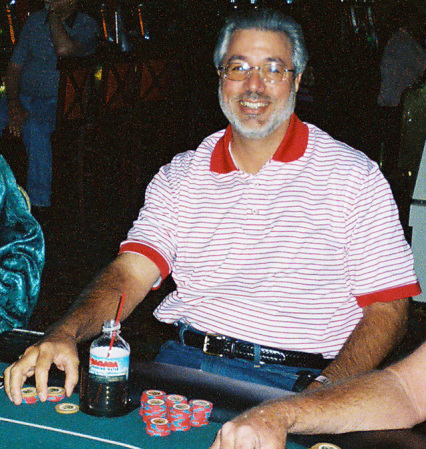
{"points": [[268, 128]]}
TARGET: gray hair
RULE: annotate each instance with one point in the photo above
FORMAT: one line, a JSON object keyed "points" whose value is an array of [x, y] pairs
{"points": [[264, 20]]}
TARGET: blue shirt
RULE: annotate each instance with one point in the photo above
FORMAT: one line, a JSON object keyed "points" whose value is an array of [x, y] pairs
{"points": [[35, 51]]}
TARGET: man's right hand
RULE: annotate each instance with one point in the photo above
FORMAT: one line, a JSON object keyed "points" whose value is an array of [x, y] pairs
{"points": [[37, 360], [17, 116], [262, 427]]}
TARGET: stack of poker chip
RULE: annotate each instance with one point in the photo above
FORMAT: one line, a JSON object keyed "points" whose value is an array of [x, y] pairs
{"points": [[154, 408], [179, 416], [201, 411], [165, 413], [29, 395], [55, 394], [172, 399], [152, 394], [146, 396], [158, 427]]}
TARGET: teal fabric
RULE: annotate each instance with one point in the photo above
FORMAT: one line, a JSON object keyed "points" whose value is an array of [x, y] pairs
{"points": [[21, 254]]}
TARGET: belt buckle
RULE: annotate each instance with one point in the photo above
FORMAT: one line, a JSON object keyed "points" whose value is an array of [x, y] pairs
{"points": [[207, 337]]}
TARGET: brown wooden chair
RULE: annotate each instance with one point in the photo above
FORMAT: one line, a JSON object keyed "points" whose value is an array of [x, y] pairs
{"points": [[77, 110], [95, 105], [111, 103]]}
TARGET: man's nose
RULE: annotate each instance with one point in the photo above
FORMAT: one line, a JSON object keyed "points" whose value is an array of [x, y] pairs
{"points": [[254, 80]]}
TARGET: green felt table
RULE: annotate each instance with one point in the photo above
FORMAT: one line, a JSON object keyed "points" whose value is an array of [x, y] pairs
{"points": [[40, 426]]}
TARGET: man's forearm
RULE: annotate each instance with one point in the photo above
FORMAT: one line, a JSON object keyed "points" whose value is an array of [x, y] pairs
{"points": [[64, 44], [376, 401], [99, 301], [393, 398], [390, 399], [13, 81], [381, 328]]}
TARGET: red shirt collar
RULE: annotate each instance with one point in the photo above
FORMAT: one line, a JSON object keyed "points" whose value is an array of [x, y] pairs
{"points": [[292, 147]]}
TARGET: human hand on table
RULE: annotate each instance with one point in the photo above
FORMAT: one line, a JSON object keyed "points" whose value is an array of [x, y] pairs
{"points": [[37, 360], [258, 428]]}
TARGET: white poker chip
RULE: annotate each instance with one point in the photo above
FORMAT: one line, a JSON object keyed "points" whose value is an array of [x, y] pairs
{"points": [[67, 408]]}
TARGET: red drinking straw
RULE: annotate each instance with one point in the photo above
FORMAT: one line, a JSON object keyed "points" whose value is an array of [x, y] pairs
{"points": [[117, 320]]}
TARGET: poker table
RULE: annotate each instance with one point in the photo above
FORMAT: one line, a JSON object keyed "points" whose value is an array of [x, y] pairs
{"points": [[40, 426]]}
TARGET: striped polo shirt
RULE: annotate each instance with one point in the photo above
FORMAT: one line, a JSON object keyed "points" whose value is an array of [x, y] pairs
{"points": [[285, 257]]}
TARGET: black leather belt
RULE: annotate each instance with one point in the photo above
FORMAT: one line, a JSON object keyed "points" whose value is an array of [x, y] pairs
{"points": [[221, 346]]}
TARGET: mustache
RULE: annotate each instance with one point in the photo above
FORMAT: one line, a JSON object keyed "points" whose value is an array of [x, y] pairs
{"points": [[252, 96]]}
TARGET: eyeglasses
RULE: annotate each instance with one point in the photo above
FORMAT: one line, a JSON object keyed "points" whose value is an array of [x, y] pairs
{"points": [[272, 72]]}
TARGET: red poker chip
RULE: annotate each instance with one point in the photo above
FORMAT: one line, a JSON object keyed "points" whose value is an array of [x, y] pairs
{"points": [[199, 405], [172, 399], [163, 413], [158, 427], [179, 428], [158, 434], [180, 411], [152, 394], [29, 395], [195, 423], [154, 408], [29, 400], [55, 398]]}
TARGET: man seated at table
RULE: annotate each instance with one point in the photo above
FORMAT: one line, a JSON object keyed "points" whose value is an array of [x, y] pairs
{"points": [[21, 254], [32, 81], [283, 243], [394, 398]]}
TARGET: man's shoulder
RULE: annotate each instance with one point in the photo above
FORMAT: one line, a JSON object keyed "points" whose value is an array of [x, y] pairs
{"points": [[322, 140], [337, 156], [36, 18], [198, 157], [204, 149]]}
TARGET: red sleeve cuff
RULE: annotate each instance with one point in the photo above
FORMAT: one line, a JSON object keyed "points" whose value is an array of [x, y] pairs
{"points": [[152, 254], [388, 295]]}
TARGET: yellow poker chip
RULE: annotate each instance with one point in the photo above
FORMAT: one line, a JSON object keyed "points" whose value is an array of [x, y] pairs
{"points": [[67, 408], [29, 395], [55, 394], [28, 392], [325, 446], [55, 391]]}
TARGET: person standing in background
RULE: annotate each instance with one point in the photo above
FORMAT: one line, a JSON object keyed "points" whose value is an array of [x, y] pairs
{"points": [[32, 80], [402, 65]]}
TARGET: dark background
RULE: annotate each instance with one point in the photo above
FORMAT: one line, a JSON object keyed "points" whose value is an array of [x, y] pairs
{"points": [[338, 94]]}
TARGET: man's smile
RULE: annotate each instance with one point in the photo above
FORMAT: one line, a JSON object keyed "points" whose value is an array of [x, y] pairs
{"points": [[253, 104]]}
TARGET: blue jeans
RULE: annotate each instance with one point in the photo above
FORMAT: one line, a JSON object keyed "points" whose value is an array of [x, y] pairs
{"points": [[278, 376], [36, 134]]}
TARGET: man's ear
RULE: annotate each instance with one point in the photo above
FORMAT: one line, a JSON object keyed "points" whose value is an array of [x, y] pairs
{"points": [[297, 81]]}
